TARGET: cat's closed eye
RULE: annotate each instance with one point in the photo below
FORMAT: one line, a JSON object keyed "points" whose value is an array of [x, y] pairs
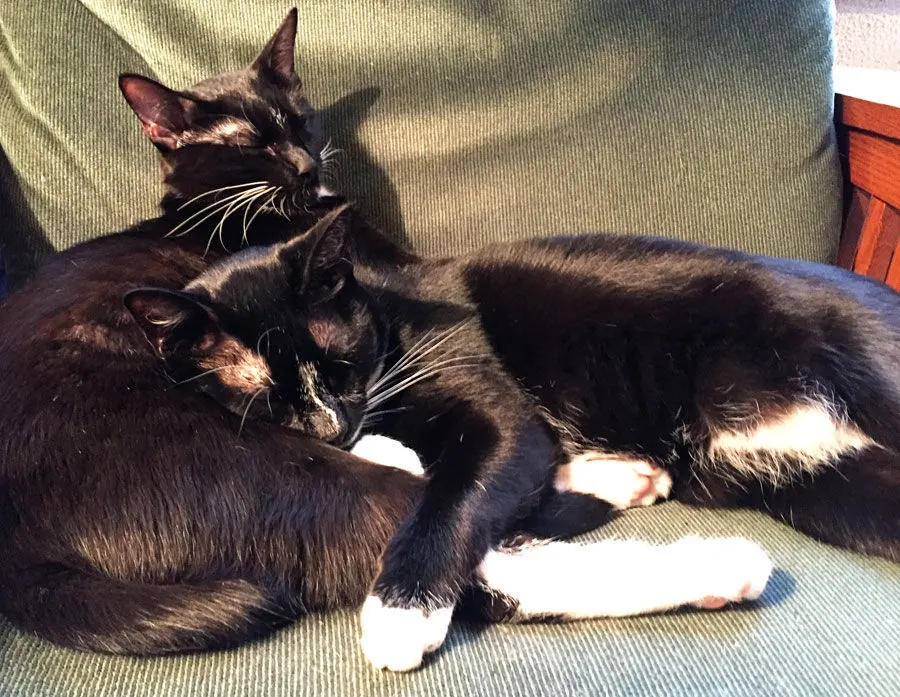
{"points": [[229, 131]]}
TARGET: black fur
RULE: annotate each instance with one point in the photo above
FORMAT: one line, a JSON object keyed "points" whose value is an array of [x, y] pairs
{"points": [[138, 516], [541, 350]]}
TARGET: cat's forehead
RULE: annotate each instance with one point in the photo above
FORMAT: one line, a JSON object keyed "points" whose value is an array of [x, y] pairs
{"points": [[239, 279], [244, 92]]}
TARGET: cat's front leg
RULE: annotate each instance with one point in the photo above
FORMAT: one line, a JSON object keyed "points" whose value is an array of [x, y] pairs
{"points": [[482, 473], [423, 570], [620, 479]]}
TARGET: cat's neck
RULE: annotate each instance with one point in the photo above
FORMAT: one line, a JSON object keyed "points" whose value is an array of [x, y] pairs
{"points": [[214, 232]]}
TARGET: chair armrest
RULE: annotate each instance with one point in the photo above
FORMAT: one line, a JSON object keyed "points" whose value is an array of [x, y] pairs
{"points": [[869, 140]]}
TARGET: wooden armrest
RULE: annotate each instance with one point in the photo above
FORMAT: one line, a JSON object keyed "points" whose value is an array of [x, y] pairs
{"points": [[869, 138]]}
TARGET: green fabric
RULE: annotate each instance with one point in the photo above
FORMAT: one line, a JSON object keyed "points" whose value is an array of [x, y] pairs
{"points": [[464, 121], [828, 624]]}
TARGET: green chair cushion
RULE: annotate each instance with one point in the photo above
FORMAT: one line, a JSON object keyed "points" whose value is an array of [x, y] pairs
{"points": [[828, 624], [464, 121]]}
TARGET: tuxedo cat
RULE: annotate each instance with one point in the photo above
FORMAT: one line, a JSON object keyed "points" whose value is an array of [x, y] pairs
{"points": [[139, 516], [527, 373]]}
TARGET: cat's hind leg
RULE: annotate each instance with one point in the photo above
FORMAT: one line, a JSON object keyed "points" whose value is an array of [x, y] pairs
{"points": [[854, 502], [806, 463]]}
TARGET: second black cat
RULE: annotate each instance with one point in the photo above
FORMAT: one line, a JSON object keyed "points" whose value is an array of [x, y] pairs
{"points": [[530, 373]]}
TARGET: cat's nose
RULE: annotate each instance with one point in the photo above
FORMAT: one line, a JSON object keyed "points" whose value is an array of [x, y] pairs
{"points": [[325, 425], [299, 159]]}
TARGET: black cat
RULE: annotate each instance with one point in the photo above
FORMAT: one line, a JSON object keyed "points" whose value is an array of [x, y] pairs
{"points": [[139, 516], [135, 516], [595, 365]]}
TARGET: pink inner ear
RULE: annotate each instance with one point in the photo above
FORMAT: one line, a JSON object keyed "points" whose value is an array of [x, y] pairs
{"points": [[160, 135], [157, 132]]}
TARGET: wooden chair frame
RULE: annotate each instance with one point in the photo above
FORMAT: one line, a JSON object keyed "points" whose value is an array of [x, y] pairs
{"points": [[869, 139]]}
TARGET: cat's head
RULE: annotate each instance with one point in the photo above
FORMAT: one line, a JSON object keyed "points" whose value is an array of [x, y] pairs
{"points": [[248, 138], [283, 333]]}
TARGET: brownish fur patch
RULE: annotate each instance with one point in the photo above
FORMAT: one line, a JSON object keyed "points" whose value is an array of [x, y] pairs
{"points": [[225, 132], [238, 367], [323, 332], [97, 336]]}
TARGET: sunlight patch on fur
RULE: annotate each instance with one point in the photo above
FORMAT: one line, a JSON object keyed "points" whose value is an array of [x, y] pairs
{"points": [[239, 367]]}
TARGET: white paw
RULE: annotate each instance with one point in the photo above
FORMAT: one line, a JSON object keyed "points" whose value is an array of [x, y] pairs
{"points": [[397, 638], [725, 569], [389, 452], [620, 481]]}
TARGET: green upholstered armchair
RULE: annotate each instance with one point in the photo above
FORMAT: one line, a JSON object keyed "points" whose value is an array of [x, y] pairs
{"points": [[464, 121]]}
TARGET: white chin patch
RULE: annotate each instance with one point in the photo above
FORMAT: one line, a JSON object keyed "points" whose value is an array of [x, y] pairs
{"points": [[398, 638], [324, 192], [388, 452]]}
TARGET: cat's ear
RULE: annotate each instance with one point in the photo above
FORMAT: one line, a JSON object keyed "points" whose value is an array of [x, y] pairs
{"points": [[164, 113], [172, 321], [277, 58], [320, 259]]}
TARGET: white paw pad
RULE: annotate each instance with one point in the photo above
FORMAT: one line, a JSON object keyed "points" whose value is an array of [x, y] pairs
{"points": [[622, 482], [388, 452], [397, 638], [728, 569]]}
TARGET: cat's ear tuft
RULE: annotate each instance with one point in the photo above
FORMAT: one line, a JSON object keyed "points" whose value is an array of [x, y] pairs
{"points": [[173, 322], [164, 113], [320, 258], [277, 58]]}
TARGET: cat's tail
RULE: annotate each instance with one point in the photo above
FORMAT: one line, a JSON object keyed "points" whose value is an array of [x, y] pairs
{"points": [[93, 612]]}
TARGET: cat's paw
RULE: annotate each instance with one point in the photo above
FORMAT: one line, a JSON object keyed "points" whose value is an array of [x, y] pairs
{"points": [[623, 482], [388, 452], [397, 638], [726, 569]]}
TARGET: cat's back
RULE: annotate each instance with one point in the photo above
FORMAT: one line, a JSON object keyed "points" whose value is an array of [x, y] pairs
{"points": [[659, 268], [80, 289], [73, 359]]}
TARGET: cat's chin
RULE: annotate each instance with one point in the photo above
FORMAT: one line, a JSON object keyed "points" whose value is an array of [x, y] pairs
{"points": [[325, 194]]}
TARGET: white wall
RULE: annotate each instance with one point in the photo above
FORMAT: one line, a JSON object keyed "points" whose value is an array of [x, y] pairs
{"points": [[867, 33]]}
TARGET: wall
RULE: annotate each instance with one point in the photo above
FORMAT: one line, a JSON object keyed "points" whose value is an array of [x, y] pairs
{"points": [[867, 33]]}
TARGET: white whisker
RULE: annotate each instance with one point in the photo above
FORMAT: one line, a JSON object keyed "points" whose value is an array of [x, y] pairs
{"points": [[261, 336], [249, 404], [418, 351], [409, 382], [427, 371], [207, 372], [419, 367], [244, 224], [248, 223], [216, 206], [221, 188], [232, 207]]}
